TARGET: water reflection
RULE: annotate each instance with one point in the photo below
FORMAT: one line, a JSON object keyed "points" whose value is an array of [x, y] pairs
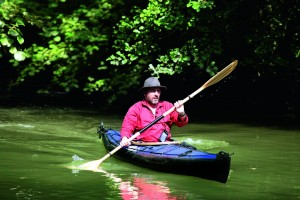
{"points": [[136, 186]]}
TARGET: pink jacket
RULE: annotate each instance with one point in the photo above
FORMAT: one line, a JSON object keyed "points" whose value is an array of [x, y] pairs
{"points": [[139, 115]]}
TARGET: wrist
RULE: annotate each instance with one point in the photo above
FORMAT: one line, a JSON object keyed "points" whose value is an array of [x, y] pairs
{"points": [[181, 114]]}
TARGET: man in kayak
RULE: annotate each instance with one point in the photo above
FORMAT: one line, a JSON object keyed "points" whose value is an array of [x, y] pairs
{"points": [[144, 112]]}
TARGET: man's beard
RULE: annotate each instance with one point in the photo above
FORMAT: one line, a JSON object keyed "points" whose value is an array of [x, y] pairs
{"points": [[153, 101]]}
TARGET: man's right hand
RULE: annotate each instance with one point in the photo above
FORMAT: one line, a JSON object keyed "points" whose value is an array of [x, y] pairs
{"points": [[125, 142]]}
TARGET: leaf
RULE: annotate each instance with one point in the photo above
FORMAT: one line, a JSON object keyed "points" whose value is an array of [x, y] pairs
{"points": [[102, 68], [133, 57], [13, 50], [13, 32], [124, 61], [2, 24], [20, 22], [91, 79], [20, 39], [20, 56], [54, 33], [57, 39], [5, 16], [5, 41]]}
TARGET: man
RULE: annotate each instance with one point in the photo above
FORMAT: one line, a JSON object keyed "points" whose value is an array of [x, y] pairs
{"points": [[144, 112]]}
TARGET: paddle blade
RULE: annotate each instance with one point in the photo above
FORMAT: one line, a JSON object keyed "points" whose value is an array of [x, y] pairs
{"points": [[221, 74], [213, 80], [92, 165]]}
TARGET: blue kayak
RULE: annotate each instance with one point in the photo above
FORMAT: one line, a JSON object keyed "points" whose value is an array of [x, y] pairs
{"points": [[179, 158]]}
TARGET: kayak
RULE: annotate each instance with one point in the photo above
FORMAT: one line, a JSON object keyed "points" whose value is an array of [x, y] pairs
{"points": [[170, 157]]}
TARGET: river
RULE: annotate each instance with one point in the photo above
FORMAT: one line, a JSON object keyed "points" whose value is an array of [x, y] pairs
{"points": [[41, 147]]}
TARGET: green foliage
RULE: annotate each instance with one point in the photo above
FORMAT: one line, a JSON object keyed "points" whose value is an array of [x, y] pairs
{"points": [[109, 46], [11, 19], [200, 4], [160, 35], [74, 45]]}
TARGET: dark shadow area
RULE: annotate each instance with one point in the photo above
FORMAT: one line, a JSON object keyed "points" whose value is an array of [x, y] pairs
{"points": [[242, 97], [212, 106]]}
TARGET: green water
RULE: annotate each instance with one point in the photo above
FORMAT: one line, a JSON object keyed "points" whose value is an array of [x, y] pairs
{"points": [[38, 146]]}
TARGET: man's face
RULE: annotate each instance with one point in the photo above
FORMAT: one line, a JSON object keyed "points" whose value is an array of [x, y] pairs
{"points": [[152, 95]]}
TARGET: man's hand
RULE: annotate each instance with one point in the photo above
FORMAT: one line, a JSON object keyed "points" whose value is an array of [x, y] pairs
{"points": [[179, 106], [125, 142]]}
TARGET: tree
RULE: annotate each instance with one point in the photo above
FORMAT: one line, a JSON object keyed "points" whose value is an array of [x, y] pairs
{"points": [[71, 47], [12, 18], [109, 46], [166, 37]]}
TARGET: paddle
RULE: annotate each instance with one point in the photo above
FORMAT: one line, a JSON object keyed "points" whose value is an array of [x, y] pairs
{"points": [[93, 165]]}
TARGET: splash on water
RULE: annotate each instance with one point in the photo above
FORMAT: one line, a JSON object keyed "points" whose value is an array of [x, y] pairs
{"points": [[78, 164], [206, 144], [76, 161], [191, 141], [76, 158]]}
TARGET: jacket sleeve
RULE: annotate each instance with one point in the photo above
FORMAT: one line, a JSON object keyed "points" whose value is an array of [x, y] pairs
{"points": [[129, 122], [177, 121]]}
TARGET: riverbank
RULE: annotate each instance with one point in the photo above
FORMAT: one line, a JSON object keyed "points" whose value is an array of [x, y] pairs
{"points": [[206, 110]]}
